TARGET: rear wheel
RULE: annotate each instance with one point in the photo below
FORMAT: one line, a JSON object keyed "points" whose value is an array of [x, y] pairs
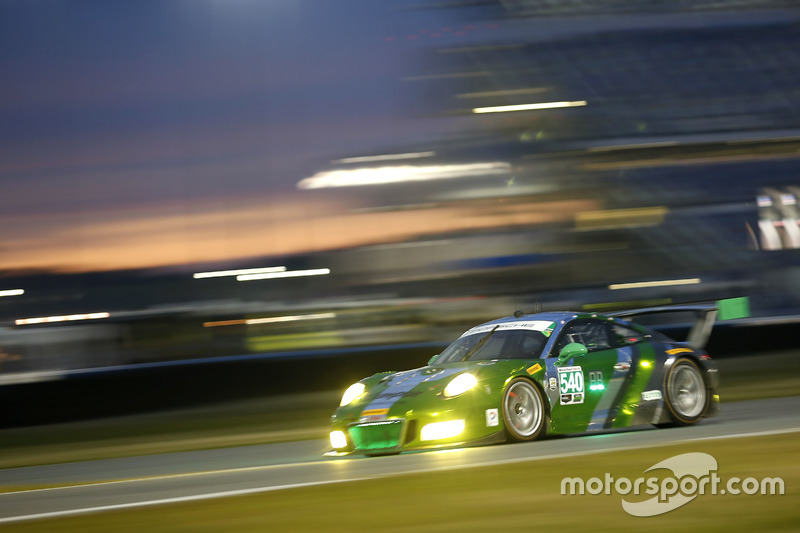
{"points": [[687, 396], [524, 412]]}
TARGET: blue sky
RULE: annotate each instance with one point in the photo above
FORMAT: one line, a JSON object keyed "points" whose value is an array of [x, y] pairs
{"points": [[116, 110], [109, 86]]}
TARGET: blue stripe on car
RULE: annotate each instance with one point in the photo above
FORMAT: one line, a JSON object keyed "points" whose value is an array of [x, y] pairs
{"points": [[403, 382]]}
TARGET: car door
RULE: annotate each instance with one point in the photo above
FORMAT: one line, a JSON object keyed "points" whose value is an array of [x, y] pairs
{"points": [[586, 390]]}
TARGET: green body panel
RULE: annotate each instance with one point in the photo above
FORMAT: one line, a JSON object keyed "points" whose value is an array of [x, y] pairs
{"points": [[597, 369], [641, 373]]}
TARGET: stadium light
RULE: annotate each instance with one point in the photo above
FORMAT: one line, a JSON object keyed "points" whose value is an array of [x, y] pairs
{"points": [[240, 272], [12, 292], [387, 157], [268, 320], [287, 274], [528, 107], [401, 174], [60, 318], [660, 283]]}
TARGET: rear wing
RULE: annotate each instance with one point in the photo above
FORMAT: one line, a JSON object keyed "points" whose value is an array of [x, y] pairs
{"points": [[705, 316]]}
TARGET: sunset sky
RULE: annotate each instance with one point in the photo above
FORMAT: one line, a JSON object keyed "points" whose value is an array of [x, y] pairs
{"points": [[170, 131]]}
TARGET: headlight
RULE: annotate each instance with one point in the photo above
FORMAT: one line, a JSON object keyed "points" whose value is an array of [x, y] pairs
{"points": [[460, 384], [353, 391], [442, 430], [338, 440]]}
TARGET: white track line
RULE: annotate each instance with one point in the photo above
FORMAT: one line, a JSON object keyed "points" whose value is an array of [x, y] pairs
{"points": [[181, 499]]}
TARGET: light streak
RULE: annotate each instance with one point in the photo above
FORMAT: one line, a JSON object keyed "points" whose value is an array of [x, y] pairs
{"points": [[529, 107], [60, 318], [12, 292], [240, 272], [660, 283], [287, 274]]}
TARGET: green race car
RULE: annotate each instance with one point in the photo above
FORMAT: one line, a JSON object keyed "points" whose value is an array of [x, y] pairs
{"points": [[520, 378]]}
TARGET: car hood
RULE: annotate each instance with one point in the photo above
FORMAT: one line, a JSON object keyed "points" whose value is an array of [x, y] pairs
{"points": [[392, 388]]}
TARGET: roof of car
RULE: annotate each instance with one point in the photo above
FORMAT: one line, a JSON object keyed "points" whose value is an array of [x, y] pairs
{"points": [[553, 316]]}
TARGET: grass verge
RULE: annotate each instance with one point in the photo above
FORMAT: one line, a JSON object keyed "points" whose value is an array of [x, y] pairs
{"points": [[525, 496], [239, 423]]}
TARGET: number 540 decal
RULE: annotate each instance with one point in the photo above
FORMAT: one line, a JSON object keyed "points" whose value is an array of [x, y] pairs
{"points": [[571, 385]]}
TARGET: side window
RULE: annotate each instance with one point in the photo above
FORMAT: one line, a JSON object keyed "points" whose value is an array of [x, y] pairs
{"points": [[594, 334], [625, 335]]}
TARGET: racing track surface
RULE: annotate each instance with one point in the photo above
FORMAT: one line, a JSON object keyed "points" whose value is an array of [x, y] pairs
{"points": [[175, 477]]}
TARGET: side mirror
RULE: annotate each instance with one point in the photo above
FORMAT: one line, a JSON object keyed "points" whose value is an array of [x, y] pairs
{"points": [[432, 358], [573, 349]]}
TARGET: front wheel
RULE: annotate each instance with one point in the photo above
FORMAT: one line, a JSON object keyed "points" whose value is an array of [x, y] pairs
{"points": [[524, 412], [687, 397]]}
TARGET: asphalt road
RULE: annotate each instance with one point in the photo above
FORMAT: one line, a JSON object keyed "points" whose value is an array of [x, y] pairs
{"points": [[97, 486]]}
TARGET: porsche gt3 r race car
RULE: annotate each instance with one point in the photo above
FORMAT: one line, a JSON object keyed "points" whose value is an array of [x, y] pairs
{"points": [[520, 378]]}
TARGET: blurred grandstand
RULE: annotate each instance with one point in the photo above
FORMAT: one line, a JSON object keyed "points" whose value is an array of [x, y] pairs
{"points": [[671, 177]]}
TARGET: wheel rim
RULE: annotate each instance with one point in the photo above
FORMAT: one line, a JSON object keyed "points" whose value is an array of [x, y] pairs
{"points": [[687, 391], [523, 409]]}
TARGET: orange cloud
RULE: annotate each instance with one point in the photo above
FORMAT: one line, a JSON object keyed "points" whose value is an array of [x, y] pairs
{"points": [[166, 236]]}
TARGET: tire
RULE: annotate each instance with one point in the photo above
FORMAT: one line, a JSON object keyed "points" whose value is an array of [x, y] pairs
{"points": [[524, 411], [686, 393]]}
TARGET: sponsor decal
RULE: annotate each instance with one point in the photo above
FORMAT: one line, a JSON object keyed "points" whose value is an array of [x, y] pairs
{"points": [[373, 415], [570, 379], [533, 325], [534, 369], [549, 330], [553, 383], [567, 399], [623, 366], [492, 418], [649, 395], [371, 412], [676, 351]]}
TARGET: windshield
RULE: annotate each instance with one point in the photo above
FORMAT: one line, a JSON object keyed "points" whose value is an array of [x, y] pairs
{"points": [[513, 344]]}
